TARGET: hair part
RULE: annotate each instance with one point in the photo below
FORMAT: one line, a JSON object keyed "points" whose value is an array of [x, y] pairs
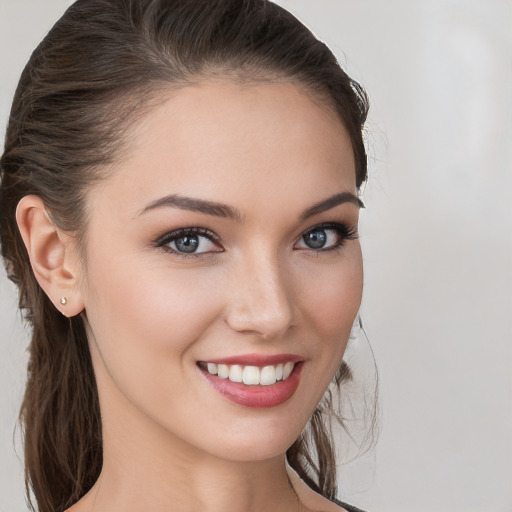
{"points": [[101, 68]]}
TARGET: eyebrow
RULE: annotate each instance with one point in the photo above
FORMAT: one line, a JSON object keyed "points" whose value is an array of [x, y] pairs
{"points": [[229, 212], [331, 202], [196, 205]]}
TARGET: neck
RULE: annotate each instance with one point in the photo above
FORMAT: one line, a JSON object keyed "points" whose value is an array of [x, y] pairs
{"points": [[160, 473], [207, 487]]}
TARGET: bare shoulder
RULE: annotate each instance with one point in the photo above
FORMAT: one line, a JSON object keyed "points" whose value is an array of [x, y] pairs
{"points": [[309, 498]]}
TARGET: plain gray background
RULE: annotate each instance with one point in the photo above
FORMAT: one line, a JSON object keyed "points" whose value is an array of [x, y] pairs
{"points": [[436, 235]]}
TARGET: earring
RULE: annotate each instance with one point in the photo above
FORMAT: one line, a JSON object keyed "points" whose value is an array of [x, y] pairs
{"points": [[64, 301]]}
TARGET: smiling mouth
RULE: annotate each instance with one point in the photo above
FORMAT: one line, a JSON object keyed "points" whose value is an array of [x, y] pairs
{"points": [[252, 381], [250, 375]]}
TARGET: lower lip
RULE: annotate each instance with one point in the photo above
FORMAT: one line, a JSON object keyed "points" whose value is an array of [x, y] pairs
{"points": [[257, 396]]}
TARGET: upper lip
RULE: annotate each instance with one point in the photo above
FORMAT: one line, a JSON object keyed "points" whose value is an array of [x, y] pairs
{"points": [[257, 359]]}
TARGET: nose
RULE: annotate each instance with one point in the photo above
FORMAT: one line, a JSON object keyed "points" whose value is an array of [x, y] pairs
{"points": [[262, 299]]}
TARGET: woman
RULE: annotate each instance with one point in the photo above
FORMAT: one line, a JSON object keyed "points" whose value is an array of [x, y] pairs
{"points": [[179, 211]]}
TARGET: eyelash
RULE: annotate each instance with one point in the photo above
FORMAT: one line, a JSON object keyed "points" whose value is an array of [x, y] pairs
{"points": [[175, 235], [343, 232]]}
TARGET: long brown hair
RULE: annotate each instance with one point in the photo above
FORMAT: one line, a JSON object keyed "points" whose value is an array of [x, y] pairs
{"points": [[90, 79]]}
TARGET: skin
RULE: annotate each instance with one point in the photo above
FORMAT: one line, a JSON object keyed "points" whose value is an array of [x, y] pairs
{"points": [[270, 151]]}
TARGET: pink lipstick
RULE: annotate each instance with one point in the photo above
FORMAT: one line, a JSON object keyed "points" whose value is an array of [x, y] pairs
{"points": [[254, 380]]}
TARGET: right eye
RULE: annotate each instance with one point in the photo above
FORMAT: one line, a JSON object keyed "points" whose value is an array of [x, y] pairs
{"points": [[190, 242]]}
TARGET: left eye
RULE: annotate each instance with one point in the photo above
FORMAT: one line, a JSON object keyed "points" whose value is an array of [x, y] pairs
{"points": [[321, 238], [189, 242]]}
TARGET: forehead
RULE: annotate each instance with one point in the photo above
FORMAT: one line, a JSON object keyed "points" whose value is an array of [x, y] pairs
{"points": [[223, 140]]}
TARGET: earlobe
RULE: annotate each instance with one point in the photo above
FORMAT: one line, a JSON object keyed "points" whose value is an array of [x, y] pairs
{"points": [[53, 261]]}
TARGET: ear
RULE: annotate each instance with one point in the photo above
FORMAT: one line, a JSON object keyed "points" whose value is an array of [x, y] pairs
{"points": [[52, 255]]}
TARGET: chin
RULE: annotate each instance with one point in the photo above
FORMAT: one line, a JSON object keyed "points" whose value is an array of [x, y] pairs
{"points": [[256, 440], [258, 449], [244, 438]]}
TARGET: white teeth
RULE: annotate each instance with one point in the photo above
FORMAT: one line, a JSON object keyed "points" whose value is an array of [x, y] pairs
{"points": [[251, 375], [223, 371], [288, 367], [268, 376], [235, 373]]}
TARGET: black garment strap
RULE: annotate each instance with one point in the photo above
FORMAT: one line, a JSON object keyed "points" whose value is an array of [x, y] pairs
{"points": [[346, 506]]}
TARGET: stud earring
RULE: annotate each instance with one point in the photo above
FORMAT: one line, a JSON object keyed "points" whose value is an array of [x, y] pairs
{"points": [[64, 301]]}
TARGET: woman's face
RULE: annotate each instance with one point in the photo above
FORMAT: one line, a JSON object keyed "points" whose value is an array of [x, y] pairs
{"points": [[227, 235]]}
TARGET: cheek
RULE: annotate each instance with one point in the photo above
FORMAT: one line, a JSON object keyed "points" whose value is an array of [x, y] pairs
{"points": [[145, 329], [177, 306], [139, 319], [334, 295], [331, 300]]}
